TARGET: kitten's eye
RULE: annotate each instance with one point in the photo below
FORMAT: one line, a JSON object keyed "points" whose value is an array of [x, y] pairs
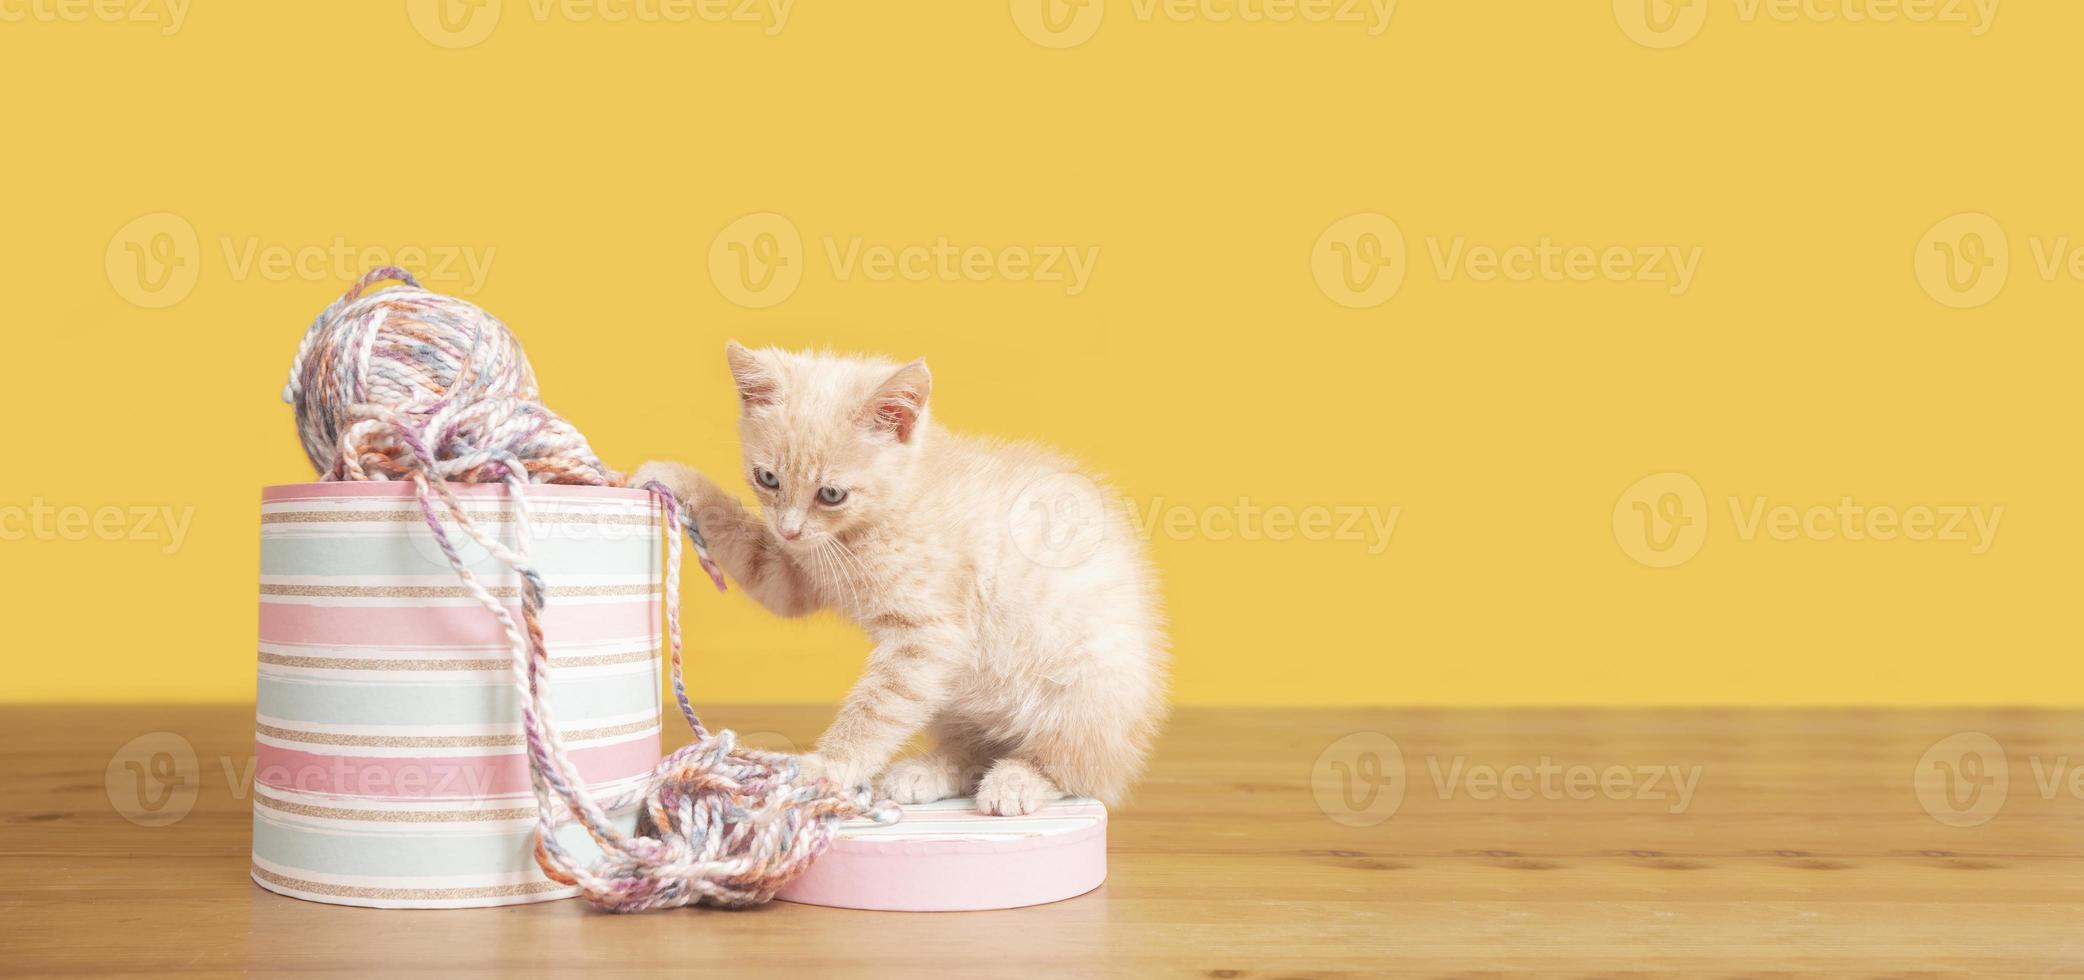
{"points": [[767, 478], [831, 496]]}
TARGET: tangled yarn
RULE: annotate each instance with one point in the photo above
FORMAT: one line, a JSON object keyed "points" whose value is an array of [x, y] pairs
{"points": [[377, 373], [406, 384]]}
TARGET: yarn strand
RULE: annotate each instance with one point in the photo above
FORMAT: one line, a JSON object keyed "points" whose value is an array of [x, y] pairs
{"points": [[406, 384]]}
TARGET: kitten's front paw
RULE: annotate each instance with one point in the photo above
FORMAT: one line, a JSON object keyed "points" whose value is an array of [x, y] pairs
{"points": [[675, 476], [1013, 787], [920, 781], [848, 775]]}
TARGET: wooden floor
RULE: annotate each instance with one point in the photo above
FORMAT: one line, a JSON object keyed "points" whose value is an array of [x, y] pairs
{"points": [[1525, 842]]}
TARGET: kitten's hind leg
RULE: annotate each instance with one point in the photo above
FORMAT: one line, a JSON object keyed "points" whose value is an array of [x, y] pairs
{"points": [[1013, 787]]}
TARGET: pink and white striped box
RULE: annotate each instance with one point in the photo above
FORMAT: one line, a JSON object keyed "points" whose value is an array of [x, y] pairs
{"points": [[390, 769]]}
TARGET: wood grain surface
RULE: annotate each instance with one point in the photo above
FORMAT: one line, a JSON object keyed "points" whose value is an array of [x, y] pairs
{"points": [[1264, 843]]}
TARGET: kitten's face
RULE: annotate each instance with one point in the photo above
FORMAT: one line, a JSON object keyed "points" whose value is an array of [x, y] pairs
{"points": [[828, 440]]}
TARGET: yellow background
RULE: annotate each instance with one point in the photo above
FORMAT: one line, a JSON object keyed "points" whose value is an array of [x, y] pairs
{"points": [[599, 159]]}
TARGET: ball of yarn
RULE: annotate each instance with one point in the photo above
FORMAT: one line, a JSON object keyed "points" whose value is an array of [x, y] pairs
{"points": [[404, 380]]}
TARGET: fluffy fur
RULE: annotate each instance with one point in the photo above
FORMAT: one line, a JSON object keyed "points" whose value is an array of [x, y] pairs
{"points": [[1014, 614]]}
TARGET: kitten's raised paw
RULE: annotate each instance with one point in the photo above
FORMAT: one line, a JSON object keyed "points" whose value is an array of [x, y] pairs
{"points": [[1013, 787], [846, 775], [675, 476], [920, 781]]}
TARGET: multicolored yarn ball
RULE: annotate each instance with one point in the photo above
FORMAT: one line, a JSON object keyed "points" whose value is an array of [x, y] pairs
{"points": [[378, 372], [406, 384]]}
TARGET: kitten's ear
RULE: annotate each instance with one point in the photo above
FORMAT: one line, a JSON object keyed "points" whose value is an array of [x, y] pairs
{"points": [[756, 382], [897, 405]]}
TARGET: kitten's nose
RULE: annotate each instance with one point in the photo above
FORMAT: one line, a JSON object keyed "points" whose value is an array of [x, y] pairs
{"points": [[791, 533]]}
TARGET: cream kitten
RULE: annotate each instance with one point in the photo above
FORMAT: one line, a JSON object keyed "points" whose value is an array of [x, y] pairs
{"points": [[1013, 611]]}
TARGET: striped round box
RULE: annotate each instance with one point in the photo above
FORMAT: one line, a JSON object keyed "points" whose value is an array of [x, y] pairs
{"points": [[949, 857], [389, 769]]}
